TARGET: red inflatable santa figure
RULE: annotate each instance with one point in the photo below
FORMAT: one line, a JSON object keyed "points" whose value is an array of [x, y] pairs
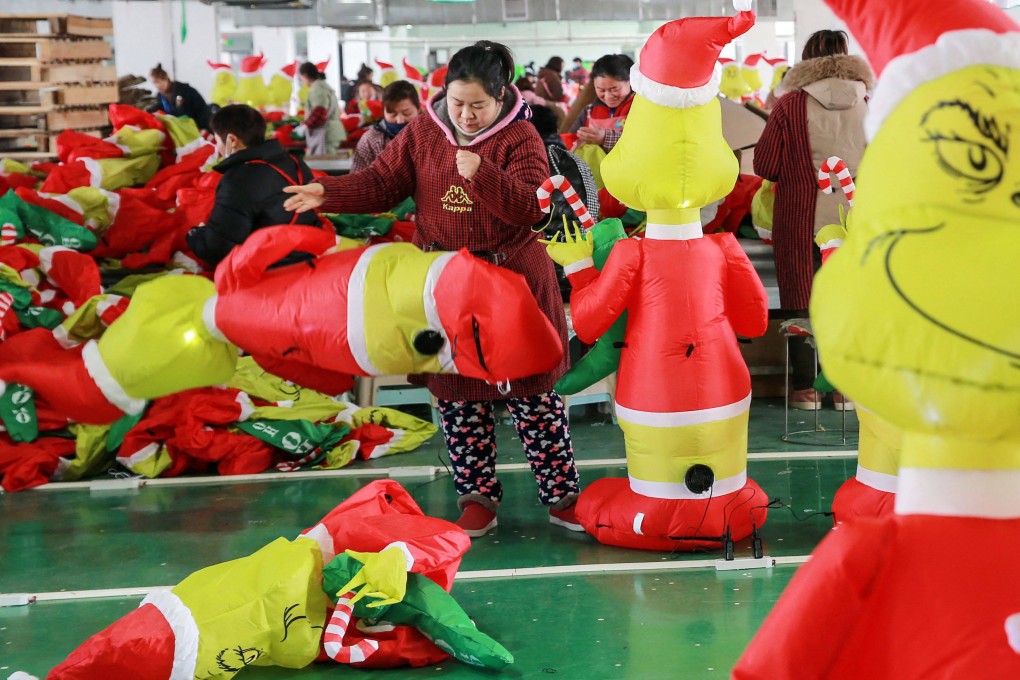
{"points": [[914, 320], [683, 392]]}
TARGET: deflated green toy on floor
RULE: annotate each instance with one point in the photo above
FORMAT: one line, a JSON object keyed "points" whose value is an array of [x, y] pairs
{"points": [[269, 608], [411, 600]]}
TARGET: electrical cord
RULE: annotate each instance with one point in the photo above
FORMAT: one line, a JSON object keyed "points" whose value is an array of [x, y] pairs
{"points": [[777, 503]]}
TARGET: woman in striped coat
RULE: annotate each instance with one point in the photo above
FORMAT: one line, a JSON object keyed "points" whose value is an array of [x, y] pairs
{"points": [[473, 165], [820, 115]]}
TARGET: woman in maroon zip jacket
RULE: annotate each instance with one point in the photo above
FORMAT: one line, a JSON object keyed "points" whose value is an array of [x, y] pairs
{"points": [[473, 164]]}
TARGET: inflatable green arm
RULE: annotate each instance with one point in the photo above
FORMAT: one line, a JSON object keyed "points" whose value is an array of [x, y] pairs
{"points": [[604, 357]]}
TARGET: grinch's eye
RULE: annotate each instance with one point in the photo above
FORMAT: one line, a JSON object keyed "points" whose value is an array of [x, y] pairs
{"points": [[969, 160]]}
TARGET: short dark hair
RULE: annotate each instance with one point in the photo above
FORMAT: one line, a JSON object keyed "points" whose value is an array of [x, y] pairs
{"points": [[487, 63], [545, 121], [825, 43], [240, 120], [398, 91], [524, 83], [612, 66], [311, 71]]}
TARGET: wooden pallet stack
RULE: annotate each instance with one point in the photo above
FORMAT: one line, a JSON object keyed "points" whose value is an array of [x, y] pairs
{"points": [[55, 75]]}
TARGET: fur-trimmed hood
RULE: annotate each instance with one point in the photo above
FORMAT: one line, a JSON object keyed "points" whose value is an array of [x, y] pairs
{"points": [[837, 82]]}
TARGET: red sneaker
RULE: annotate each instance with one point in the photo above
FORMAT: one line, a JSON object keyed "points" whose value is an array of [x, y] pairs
{"points": [[565, 518], [806, 400], [841, 402], [476, 520]]}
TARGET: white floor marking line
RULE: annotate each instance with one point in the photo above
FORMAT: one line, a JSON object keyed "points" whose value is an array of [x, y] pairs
{"points": [[477, 575], [100, 486]]}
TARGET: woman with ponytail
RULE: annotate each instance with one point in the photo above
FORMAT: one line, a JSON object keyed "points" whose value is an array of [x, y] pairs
{"points": [[177, 98], [473, 164]]}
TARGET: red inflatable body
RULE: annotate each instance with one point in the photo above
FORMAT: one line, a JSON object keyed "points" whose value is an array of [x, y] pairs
{"points": [[364, 312], [736, 206], [608, 508], [683, 388], [855, 499], [27, 464], [879, 599]]}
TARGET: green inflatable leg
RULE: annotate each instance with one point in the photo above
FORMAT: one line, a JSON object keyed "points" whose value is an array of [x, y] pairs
{"points": [[17, 412]]}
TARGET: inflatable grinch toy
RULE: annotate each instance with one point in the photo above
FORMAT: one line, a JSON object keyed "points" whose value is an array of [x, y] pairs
{"points": [[733, 86], [751, 73], [224, 83], [872, 491], [683, 389], [272, 608], [915, 321], [251, 88], [379, 310]]}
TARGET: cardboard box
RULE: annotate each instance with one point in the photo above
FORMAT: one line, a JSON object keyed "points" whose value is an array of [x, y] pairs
{"points": [[741, 128]]}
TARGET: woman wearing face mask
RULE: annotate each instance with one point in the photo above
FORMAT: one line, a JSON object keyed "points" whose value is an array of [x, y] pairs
{"points": [[601, 122], [400, 106], [473, 165], [249, 195], [325, 132]]}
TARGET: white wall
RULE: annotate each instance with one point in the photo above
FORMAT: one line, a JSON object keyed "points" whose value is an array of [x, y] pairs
{"points": [[814, 15], [365, 48], [541, 40], [277, 44], [147, 33], [323, 44], [85, 8]]}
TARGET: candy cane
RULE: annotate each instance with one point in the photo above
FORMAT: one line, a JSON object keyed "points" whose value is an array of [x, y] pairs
{"points": [[8, 234], [561, 183], [111, 308], [6, 301], [295, 465], [837, 165], [336, 629]]}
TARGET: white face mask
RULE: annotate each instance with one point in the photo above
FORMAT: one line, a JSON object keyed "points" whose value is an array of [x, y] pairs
{"points": [[224, 147]]}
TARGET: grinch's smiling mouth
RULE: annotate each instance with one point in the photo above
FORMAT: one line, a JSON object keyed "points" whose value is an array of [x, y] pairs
{"points": [[949, 318]]}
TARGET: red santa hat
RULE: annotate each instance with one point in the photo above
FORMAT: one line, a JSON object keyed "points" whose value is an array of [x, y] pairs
{"points": [[678, 66], [412, 73], [323, 64], [74, 273], [384, 66], [725, 60], [778, 62], [751, 60], [218, 67], [437, 79], [253, 64], [911, 43], [71, 383], [159, 640], [290, 69]]}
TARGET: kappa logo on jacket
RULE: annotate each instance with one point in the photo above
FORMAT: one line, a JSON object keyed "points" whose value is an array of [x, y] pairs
{"points": [[456, 200]]}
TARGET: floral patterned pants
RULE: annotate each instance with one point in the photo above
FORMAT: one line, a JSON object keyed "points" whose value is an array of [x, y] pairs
{"points": [[541, 423]]}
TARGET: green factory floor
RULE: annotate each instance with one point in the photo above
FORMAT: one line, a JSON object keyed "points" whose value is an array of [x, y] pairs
{"points": [[652, 621]]}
